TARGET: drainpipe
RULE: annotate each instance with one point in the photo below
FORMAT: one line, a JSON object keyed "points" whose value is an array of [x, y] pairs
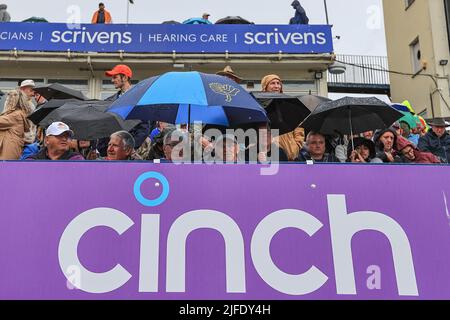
{"points": [[432, 104]]}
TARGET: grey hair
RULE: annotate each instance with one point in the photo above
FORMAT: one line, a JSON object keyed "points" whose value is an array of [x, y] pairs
{"points": [[17, 100], [174, 136], [314, 133], [127, 139]]}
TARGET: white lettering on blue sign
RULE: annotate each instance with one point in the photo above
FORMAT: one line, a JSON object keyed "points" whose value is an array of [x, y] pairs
{"points": [[343, 227]]}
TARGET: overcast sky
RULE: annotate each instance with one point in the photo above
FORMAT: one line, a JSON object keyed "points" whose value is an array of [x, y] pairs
{"points": [[359, 23]]}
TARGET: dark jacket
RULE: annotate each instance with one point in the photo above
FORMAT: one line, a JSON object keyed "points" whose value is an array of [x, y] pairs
{"points": [[440, 147], [42, 155], [300, 14], [304, 156], [139, 133], [252, 151], [4, 15]]}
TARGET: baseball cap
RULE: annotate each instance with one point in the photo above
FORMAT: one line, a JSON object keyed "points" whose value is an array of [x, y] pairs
{"points": [[57, 128], [120, 69], [206, 14], [27, 83]]}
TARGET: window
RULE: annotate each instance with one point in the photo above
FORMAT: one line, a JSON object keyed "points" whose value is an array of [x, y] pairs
{"points": [[292, 88], [108, 88], [408, 3], [80, 85], [416, 55]]}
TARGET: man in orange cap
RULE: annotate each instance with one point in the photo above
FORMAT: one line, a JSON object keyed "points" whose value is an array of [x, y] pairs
{"points": [[121, 78]]}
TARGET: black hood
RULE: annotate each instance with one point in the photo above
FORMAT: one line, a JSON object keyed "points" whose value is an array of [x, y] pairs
{"points": [[379, 133], [359, 142]]}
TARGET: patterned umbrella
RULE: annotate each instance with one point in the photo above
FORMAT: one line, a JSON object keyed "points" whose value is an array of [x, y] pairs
{"points": [[188, 97]]}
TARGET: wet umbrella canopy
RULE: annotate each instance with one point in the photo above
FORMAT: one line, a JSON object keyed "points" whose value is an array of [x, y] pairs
{"points": [[233, 20], [59, 91], [171, 22], [188, 97], [44, 110], [89, 121], [312, 101], [284, 112], [351, 116], [35, 19]]}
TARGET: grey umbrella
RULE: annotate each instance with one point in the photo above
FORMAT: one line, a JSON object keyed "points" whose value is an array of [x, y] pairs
{"points": [[171, 22], [312, 101], [351, 116], [59, 91], [89, 120], [44, 110], [233, 20], [284, 112], [35, 19]]}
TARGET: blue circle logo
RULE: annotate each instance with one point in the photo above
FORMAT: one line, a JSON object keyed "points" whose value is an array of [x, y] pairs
{"points": [[151, 175]]}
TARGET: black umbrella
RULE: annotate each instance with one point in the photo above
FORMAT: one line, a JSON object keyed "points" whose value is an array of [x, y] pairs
{"points": [[58, 91], [284, 112], [312, 101], [351, 116], [35, 19], [89, 121], [233, 20], [171, 22], [44, 110]]}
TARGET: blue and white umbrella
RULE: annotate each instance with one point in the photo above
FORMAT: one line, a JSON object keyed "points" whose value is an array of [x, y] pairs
{"points": [[188, 97]]}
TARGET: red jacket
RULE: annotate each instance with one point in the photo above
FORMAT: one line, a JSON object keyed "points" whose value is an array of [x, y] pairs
{"points": [[421, 157]]}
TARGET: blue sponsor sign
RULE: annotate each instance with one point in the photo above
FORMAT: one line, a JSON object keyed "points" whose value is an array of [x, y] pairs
{"points": [[166, 38]]}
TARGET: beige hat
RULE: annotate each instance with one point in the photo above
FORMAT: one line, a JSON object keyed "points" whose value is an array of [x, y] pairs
{"points": [[268, 79], [228, 72], [27, 83]]}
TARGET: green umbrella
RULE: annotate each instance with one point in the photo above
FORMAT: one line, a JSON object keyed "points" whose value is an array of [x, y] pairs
{"points": [[410, 119], [35, 19]]}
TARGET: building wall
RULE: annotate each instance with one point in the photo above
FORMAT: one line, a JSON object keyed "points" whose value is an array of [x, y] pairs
{"points": [[86, 73], [425, 20]]}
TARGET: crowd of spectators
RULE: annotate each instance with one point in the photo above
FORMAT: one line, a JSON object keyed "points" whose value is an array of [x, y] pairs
{"points": [[160, 141]]}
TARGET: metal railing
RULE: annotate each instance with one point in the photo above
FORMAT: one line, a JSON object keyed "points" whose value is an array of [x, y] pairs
{"points": [[363, 70]]}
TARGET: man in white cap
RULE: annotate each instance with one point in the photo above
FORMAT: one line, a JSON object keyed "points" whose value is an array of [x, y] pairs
{"points": [[57, 144]]}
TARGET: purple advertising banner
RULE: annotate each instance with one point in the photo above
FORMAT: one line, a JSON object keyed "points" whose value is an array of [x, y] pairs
{"points": [[223, 232]]}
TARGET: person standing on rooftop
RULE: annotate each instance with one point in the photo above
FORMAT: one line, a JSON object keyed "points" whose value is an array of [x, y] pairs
{"points": [[300, 14], [101, 15], [4, 15]]}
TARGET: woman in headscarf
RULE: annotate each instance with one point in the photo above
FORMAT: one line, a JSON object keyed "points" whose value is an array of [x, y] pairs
{"points": [[14, 125], [291, 142]]}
